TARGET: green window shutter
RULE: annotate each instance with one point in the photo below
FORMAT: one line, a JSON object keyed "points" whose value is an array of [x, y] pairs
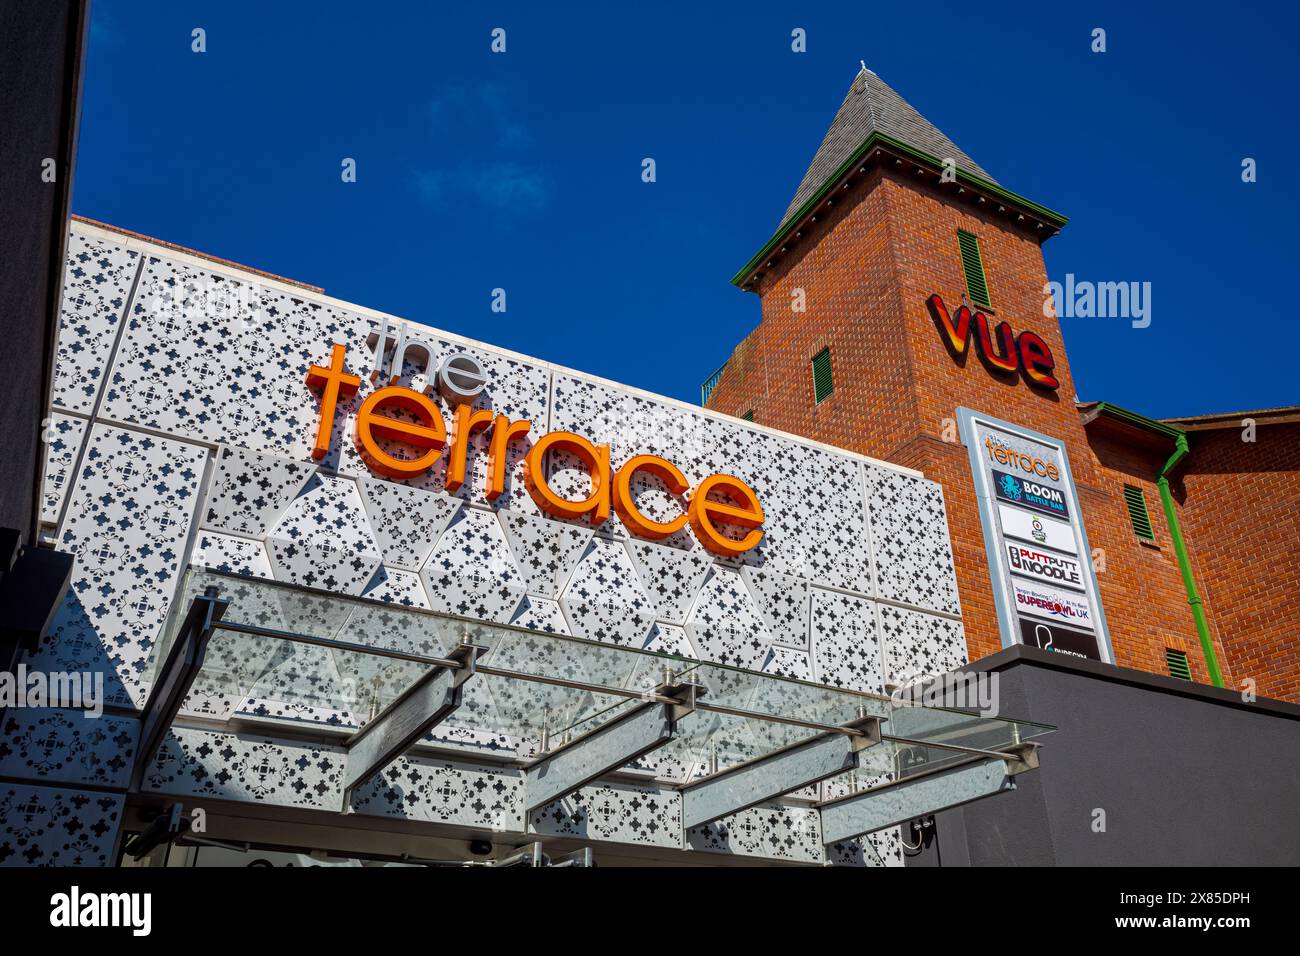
{"points": [[972, 263], [749, 415], [1137, 513], [1178, 666], [821, 369]]}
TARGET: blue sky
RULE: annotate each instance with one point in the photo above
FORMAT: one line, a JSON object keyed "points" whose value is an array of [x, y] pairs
{"points": [[523, 171]]}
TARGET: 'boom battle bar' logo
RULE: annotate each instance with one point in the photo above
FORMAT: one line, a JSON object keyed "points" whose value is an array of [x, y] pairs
{"points": [[1030, 494]]}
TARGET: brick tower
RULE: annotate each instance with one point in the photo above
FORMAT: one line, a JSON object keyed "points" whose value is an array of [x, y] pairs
{"points": [[890, 212]]}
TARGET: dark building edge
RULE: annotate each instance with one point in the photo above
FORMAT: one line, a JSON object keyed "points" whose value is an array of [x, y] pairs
{"points": [[40, 81]]}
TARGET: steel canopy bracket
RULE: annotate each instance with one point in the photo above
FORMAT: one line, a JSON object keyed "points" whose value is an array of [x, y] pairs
{"points": [[181, 665], [1021, 757], [629, 736], [405, 722], [870, 732], [782, 771], [685, 693]]}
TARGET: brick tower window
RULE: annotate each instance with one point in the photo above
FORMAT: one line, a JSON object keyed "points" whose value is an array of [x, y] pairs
{"points": [[972, 263], [821, 373], [1177, 662], [1137, 513]]}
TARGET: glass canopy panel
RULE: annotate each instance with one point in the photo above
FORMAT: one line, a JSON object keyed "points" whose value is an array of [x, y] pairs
{"points": [[932, 737], [281, 651]]}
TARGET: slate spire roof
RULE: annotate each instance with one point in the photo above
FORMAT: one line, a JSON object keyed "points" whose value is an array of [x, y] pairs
{"points": [[871, 106]]}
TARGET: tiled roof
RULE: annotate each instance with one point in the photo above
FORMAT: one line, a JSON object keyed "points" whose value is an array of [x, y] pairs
{"points": [[871, 106]]}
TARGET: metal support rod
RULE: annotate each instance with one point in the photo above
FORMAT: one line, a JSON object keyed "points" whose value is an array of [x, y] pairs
{"points": [[182, 663]]}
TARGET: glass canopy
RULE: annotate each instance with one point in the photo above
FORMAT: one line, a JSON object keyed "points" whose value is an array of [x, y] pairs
{"points": [[282, 652], [333, 665]]}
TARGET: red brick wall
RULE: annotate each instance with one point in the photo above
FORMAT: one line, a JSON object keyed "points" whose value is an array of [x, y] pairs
{"points": [[1141, 586], [1241, 513], [849, 283], [866, 270]]}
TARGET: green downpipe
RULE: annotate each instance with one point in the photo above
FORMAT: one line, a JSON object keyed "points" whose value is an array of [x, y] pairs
{"points": [[1184, 563]]}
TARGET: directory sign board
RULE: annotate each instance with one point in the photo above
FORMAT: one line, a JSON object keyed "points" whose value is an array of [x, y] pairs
{"points": [[1039, 561]]}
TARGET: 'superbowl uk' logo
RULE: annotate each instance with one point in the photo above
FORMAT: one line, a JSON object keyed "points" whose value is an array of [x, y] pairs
{"points": [[1011, 487]]}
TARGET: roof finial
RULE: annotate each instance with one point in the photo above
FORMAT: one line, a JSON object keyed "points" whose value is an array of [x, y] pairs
{"points": [[864, 66]]}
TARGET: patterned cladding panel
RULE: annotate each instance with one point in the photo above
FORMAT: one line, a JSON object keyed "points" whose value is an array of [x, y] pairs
{"points": [[883, 848], [323, 539], [96, 285], [516, 389], [546, 551], [471, 570], [672, 577], [67, 746], [441, 791], [919, 645], [617, 813], [815, 525], [725, 623], [63, 439], [231, 555], [202, 763], [847, 641], [406, 521], [395, 586], [250, 491], [783, 601], [127, 521], [668, 638], [913, 556], [787, 662], [605, 599], [541, 614], [207, 357], [49, 826], [770, 830]]}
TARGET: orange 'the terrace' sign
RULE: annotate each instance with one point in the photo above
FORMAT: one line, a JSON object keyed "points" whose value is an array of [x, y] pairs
{"points": [[609, 490]]}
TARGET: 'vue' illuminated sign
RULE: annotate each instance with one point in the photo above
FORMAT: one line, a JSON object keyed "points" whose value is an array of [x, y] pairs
{"points": [[422, 428], [1000, 349]]}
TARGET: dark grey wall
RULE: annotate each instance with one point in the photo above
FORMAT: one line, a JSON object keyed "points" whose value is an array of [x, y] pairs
{"points": [[40, 69], [1186, 774], [41, 47]]}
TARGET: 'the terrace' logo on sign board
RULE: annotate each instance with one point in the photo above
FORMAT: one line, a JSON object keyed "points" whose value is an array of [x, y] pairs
{"points": [[419, 425]]}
